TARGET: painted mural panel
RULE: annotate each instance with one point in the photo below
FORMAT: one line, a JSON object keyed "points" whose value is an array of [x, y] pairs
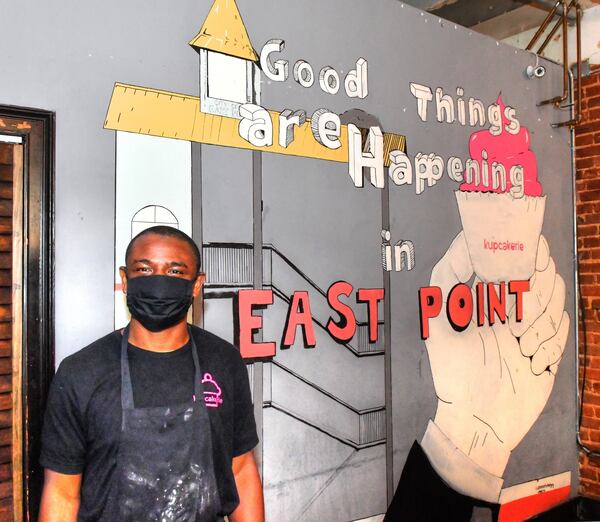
{"points": [[388, 240]]}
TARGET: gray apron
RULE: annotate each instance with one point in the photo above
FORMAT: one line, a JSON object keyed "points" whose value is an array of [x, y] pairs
{"points": [[164, 464]]}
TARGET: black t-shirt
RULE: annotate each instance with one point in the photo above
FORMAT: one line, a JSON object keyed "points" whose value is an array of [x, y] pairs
{"points": [[82, 423]]}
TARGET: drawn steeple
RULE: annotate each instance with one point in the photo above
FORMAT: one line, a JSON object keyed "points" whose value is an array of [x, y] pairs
{"points": [[229, 73], [224, 32]]}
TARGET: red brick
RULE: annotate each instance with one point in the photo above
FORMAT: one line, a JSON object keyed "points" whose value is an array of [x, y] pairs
{"points": [[588, 172], [590, 242], [588, 460], [593, 374], [588, 410], [594, 101], [591, 398], [593, 184], [588, 473], [588, 126], [584, 163], [589, 195], [584, 139], [587, 230], [588, 290], [588, 219], [594, 254], [594, 114]]}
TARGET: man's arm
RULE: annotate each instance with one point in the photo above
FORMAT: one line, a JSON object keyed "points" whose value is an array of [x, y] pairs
{"points": [[60, 497], [247, 481]]}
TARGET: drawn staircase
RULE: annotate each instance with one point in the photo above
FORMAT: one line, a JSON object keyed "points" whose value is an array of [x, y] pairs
{"points": [[230, 266]]}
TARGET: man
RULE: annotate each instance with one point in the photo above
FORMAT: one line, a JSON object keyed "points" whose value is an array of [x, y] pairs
{"points": [[154, 422]]}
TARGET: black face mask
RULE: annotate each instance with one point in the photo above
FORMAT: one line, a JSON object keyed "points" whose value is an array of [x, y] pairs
{"points": [[157, 301]]}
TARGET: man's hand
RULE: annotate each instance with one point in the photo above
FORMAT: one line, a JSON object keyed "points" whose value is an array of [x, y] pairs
{"points": [[60, 497], [492, 382], [249, 487]]}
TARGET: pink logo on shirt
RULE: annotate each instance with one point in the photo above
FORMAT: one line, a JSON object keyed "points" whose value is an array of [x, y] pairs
{"points": [[212, 393]]}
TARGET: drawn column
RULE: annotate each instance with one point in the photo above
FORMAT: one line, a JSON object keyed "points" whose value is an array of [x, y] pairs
{"points": [[197, 235], [257, 258], [387, 336]]}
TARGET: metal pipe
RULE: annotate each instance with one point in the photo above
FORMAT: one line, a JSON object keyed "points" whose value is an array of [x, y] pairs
{"points": [[553, 31], [576, 274], [542, 27], [580, 393], [546, 5], [577, 119], [548, 39], [558, 100]]}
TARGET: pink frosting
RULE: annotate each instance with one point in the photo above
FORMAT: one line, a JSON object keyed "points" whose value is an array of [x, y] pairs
{"points": [[507, 149]]}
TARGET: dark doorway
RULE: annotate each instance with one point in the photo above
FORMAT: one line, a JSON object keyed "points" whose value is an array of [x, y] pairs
{"points": [[26, 302]]}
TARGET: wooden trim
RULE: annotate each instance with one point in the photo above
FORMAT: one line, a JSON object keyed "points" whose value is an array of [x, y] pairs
{"points": [[17, 333], [36, 127]]}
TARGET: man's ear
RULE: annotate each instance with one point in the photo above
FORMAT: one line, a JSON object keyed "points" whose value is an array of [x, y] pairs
{"points": [[123, 274], [198, 284]]}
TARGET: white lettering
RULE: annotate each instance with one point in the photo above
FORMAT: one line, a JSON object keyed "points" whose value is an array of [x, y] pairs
{"points": [[256, 126], [356, 84], [372, 159], [278, 70]]}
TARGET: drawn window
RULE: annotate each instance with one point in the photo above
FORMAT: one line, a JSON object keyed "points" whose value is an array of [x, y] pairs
{"points": [[151, 216], [227, 78]]}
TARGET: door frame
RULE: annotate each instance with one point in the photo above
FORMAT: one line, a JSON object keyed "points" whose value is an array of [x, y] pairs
{"points": [[37, 130]]}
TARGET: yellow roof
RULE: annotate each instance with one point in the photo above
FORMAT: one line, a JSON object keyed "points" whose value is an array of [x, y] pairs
{"points": [[224, 31]]}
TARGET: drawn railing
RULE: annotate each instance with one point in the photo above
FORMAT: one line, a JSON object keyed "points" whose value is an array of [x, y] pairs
{"points": [[231, 265], [228, 265], [333, 417]]}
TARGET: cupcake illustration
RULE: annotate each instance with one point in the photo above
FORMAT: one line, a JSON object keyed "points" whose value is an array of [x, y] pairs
{"points": [[500, 202]]}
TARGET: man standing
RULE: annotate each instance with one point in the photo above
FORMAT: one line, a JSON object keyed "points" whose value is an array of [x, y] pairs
{"points": [[154, 422]]}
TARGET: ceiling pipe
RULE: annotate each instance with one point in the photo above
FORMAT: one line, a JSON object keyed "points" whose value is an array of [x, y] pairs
{"points": [[542, 28], [577, 119], [558, 100], [548, 5]]}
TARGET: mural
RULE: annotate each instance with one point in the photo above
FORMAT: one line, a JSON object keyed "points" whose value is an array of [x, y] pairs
{"points": [[302, 213], [497, 347]]}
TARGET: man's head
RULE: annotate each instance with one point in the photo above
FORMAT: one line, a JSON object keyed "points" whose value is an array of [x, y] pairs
{"points": [[164, 232], [161, 251]]}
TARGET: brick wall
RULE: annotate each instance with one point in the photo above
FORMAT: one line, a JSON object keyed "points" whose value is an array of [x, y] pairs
{"points": [[587, 155]]}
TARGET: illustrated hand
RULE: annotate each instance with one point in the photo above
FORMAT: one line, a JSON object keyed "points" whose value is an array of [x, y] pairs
{"points": [[492, 382]]}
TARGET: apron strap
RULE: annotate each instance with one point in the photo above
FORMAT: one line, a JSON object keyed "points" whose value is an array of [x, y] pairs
{"points": [[198, 388], [126, 386]]}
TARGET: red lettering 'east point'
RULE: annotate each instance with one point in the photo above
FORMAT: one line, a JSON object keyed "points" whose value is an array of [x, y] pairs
{"points": [[344, 329], [372, 296], [430, 306], [248, 323], [299, 315], [490, 298]]}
